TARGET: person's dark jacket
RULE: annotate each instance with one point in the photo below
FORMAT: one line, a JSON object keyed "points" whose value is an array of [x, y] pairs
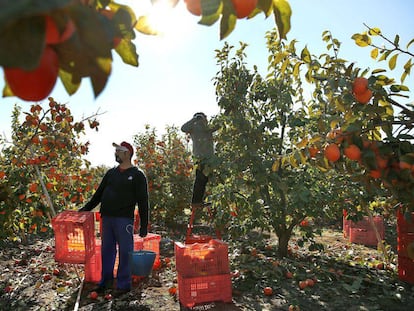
{"points": [[119, 192]]}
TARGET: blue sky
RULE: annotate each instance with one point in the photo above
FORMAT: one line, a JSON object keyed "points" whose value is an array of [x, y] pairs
{"points": [[174, 79]]}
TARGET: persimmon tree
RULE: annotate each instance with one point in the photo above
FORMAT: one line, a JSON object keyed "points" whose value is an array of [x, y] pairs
{"points": [[370, 129], [260, 120], [167, 163], [43, 168], [75, 39], [379, 129]]}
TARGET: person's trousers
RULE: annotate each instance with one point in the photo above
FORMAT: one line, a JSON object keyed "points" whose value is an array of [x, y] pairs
{"points": [[117, 231], [199, 187]]}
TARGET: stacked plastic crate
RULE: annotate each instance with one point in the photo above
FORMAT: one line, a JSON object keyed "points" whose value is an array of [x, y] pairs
{"points": [[405, 246], [74, 236], [361, 232], [203, 272], [202, 265]]}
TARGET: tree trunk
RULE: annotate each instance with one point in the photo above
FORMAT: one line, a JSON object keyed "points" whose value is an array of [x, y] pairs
{"points": [[283, 237]]}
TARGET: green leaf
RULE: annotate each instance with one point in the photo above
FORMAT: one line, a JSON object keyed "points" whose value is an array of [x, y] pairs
{"points": [[396, 40], [211, 11], [282, 13], [393, 61], [379, 70], [68, 82], [405, 137], [13, 10], [399, 88], [127, 51], [265, 6], [24, 43], [98, 79], [227, 24]]}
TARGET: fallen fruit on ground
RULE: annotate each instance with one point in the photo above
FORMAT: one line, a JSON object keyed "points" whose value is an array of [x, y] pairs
{"points": [[268, 291], [310, 282], [302, 284], [172, 290], [93, 295]]}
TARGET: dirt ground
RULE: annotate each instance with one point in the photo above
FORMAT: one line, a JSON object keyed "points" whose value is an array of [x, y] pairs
{"points": [[346, 277]]}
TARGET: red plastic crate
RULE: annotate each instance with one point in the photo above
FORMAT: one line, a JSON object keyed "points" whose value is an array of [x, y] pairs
{"points": [[365, 225], [345, 226], [363, 236], [74, 236], [192, 291], [404, 239], [201, 259], [93, 265], [406, 269], [197, 238], [405, 225]]}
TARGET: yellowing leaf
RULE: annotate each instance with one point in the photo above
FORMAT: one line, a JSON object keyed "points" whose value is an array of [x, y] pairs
{"points": [[362, 39], [393, 61], [334, 123], [374, 53], [315, 139], [302, 143], [305, 55], [282, 13], [143, 25], [292, 161], [374, 31], [275, 166]]}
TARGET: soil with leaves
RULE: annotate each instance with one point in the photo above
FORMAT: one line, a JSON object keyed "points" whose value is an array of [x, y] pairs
{"points": [[344, 276]]}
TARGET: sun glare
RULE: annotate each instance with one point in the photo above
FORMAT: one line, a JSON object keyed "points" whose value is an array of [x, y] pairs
{"points": [[172, 24]]}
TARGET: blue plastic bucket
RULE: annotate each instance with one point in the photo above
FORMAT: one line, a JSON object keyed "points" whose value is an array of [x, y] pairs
{"points": [[142, 262]]}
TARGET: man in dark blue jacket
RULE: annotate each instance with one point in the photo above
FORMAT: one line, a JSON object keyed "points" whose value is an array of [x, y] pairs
{"points": [[121, 189]]}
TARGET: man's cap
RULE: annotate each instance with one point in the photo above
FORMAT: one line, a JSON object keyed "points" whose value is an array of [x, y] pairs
{"points": [[124, 146]]}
